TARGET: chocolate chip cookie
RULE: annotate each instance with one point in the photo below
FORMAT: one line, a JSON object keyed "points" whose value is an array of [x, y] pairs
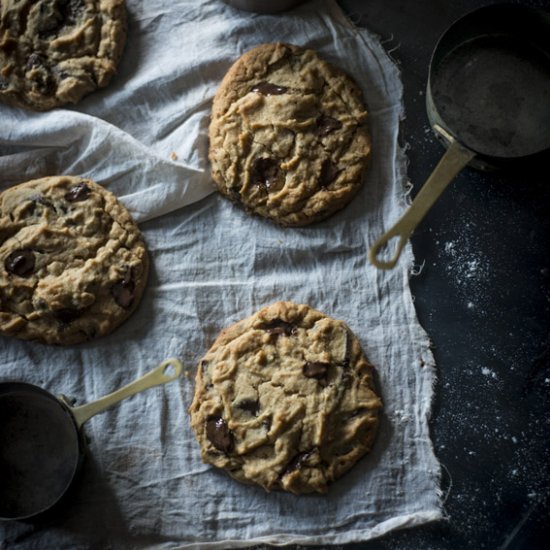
{"points": [[288, 135], [54, 52], [285, 399], [73, 263]]}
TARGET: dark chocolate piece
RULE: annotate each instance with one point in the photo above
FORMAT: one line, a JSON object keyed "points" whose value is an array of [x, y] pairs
{"points": [[264, 172], [40, 199], [219, 434], [67, 315], [329, 172], [327, 124], [296, 463], [250, 406], [267, 88], [78, 192], [123, 290], [315, 370], [20, 262], [45, 83], [123, 293]]}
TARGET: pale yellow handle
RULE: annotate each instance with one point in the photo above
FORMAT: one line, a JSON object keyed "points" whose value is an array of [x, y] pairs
{"points": [[166, 372], [455, 158]]}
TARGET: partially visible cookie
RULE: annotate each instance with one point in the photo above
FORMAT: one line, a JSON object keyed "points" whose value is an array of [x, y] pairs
{"points": [[288, 135], [54, 52], [73, 264], [285, 399]]}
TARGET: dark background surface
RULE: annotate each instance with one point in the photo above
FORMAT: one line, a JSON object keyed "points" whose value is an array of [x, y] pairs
{"points": [[483, 296]]}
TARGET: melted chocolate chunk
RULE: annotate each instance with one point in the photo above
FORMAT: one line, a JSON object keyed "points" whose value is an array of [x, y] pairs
{"points": [[123, 290], [219, 434], [78, 192], [329, 172], [278, 326], [67, 315], [123, 293], [40, 199], [20, 262], [264, 172], [327, 124], [253, 407], [296, 463], [267, 88], [315, 370]]}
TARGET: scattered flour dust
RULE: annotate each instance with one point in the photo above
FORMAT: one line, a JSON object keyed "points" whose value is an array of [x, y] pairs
{"points": [[489, 373], [464, 265], [468, 270]]}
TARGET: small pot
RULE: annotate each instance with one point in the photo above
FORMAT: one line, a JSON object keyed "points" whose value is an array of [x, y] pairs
{"points": [[487, 100], [263, 6], [42, 444]]}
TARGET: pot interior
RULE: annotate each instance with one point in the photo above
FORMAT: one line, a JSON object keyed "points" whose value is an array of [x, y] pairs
{"points": [[39, 450], [490, 81]]}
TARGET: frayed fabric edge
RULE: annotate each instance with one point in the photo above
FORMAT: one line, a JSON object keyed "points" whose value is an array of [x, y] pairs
{"points": [[361, 535], [412, 269]]}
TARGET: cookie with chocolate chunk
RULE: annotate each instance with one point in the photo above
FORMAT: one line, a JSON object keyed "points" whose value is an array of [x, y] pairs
{"points": [[54, 52], [285, 399], [73, 264], [288, 135]]}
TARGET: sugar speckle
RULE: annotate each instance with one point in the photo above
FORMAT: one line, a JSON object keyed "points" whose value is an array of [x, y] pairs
{"points": [[488, 372]]}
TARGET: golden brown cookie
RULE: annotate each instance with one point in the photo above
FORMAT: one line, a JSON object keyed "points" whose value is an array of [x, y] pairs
{"points": [[288, 135], [54, 52], [73, 264], [285, 399]]}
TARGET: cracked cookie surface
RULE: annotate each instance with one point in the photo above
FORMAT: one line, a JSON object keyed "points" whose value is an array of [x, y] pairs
{"points": [[73, 264], [288, 135], [285, 399], [54, 52]]}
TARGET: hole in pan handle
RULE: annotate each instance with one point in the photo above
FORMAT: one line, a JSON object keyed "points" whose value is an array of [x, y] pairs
{"points": [[167, 371], [455, 158]]}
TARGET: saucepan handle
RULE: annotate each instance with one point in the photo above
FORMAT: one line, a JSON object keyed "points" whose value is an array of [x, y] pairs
{"points": [[455, 158], [167, 371]]}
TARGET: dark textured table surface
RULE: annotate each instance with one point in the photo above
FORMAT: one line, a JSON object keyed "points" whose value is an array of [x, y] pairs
{"points": [[483, 295]]}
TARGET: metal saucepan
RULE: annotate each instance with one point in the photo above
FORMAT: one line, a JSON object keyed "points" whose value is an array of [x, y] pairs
{"points": [[488, 100], [41, 443]]}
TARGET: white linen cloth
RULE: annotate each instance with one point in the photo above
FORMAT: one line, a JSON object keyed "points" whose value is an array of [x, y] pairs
{"points": [[143, 484]]}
